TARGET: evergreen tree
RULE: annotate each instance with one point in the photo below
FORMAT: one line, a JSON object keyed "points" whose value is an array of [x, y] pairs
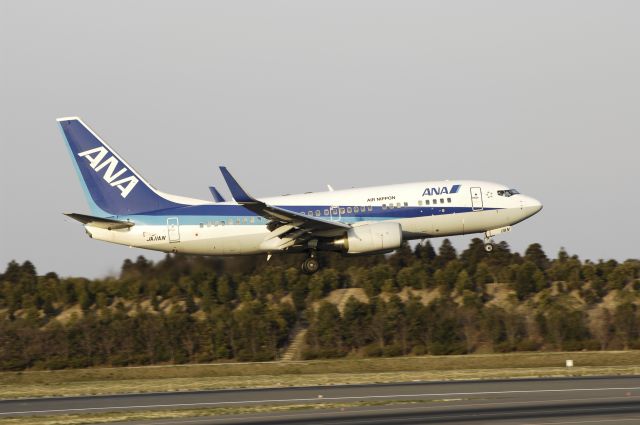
{"points": [[356, 318], [526, 280], [473, 255], [626, 323], [426, 253], [446, 253], [193, 309], [463, 282], [536, 255]]}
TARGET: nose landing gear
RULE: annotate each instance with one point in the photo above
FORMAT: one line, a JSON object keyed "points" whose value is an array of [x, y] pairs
{"points": [[311, 264], [488, 244], [488, 237]]}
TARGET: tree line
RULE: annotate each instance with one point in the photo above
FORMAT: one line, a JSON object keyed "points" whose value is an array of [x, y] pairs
{"points": [[187, 309]]}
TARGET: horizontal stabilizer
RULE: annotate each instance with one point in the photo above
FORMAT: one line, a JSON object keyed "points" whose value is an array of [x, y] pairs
{"points": [[104, 223]]}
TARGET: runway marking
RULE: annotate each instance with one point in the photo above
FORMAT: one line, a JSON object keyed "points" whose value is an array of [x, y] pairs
{"points": [[584, 422], [395, 420], [355, 410], [316, 399], [473, 415]]}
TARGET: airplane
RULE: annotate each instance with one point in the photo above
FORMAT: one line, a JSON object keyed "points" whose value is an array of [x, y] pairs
{"points": [[125, 209]]}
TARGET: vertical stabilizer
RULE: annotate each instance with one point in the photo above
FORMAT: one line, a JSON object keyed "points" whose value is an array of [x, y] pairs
{"points": [[112, 186]]}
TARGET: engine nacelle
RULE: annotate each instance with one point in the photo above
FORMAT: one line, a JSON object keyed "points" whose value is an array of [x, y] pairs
{"points": [[369, 238]]}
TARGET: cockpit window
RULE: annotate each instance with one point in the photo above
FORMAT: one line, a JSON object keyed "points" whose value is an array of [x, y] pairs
{"points": [[508, 192]]}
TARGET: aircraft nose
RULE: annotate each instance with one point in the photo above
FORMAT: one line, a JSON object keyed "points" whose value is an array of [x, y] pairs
{"points": [[530, 206]]}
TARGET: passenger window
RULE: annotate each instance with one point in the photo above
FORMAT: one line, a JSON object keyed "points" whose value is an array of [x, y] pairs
{"points": [[370, 208], [252, 220], [442, 200], [317, 213], [237, 220], [426, 202], [435, 201], [341, 211], [303, 213], [310, 213], [501, 193], [356, 209], [384, 206], [244, 220], [390, 206], [406, 204], [420, 202], [326, 212], [449, 200], [398, 205], [349, 210]]}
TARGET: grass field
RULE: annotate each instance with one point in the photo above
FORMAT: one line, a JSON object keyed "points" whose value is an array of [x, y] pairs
{"points": [[326, 372]]}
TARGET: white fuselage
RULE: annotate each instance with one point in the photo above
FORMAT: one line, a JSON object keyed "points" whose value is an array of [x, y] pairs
{"points": [[423, 210]]}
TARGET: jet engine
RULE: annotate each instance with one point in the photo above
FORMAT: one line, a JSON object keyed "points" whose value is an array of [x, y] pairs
{"points": [[368, 238]]}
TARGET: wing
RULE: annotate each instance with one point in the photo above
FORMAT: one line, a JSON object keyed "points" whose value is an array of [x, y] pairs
{"points": [[285, 220]]}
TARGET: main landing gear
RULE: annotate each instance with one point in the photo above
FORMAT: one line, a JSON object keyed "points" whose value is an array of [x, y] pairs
{"points": [[311, 264]]}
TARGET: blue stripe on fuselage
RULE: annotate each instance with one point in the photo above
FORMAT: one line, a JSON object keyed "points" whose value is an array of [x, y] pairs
{"points": [[194, 215]]}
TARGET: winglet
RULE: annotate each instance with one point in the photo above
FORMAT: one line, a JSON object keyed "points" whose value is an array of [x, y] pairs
{"points": [[216, 195], [238, 193]]}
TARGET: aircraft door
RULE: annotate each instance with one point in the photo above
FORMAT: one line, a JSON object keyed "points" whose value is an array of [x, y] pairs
{"points": [[334, 213], [173, 228], [476, 199]]}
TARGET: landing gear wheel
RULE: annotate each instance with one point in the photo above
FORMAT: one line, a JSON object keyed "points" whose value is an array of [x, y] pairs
{"points": [[310, 265], [488, 247]]}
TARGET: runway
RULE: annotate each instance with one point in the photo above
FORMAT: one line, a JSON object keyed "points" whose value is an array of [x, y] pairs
{"points": [[521, 401]]}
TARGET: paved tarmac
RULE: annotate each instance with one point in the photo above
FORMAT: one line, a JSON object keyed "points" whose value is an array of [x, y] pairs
{"points": [[601, 400]]}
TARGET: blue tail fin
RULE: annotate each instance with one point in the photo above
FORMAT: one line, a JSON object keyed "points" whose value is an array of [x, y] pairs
{"points": [[111, 186]]}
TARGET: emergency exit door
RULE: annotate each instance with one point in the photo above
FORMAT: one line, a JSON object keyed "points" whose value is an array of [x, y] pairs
{"points": [[334, 213], [476, 199], [173, 228]]}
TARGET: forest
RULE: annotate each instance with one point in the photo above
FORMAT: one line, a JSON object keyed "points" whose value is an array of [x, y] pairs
{"points": [[416, 301]]}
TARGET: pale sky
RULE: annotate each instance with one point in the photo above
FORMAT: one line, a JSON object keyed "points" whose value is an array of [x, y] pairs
{"points": [[543, 96]]}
